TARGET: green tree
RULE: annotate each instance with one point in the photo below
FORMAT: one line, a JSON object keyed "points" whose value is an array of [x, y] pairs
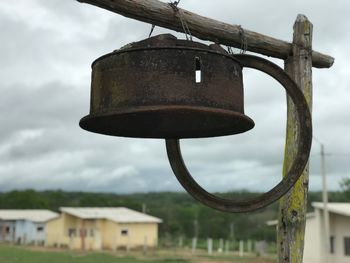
{"points": [[345, 186]]}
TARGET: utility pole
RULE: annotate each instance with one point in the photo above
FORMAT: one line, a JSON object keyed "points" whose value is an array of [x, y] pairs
{"points": [[325, 205]]}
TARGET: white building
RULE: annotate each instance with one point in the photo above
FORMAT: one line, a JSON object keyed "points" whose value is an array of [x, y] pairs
{"points": [[24, 226], [339, 240], [315, 250]]}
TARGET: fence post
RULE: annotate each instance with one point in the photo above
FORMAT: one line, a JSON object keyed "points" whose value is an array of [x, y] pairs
{"points": [[210, 246], [194, 245], [181, 242], [292, 211], [249, 246], [241, 248], [145, 245], [221, 245], [227, 246]]}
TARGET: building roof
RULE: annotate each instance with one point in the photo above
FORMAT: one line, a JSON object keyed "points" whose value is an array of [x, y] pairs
{"points": [[116, 214], [37, 216], [336, 208]]}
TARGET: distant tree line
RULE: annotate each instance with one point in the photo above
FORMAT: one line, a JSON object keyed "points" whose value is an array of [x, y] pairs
{"points": [[182, 215]]}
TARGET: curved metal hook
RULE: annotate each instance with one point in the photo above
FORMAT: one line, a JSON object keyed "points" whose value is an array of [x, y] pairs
{"points": [[303, 149]]}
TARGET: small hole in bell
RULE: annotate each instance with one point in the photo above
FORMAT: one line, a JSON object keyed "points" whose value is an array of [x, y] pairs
{"points": [[198, 76], [198, 70]]}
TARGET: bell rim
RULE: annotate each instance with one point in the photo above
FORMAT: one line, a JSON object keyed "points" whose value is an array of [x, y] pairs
{"points": [[90, 121], [138, 49]]}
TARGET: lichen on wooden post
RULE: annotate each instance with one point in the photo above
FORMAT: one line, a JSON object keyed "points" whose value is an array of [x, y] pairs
{"points": [[292, 214]]}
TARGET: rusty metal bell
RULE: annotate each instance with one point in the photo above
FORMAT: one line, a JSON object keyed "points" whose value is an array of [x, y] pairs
{"points": [[163, 87]]}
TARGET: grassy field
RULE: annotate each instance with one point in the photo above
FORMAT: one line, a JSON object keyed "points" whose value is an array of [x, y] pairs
{"points": [[16, 254]]}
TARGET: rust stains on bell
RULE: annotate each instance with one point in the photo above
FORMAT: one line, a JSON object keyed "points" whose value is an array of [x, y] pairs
{"points": [[163, 87]]}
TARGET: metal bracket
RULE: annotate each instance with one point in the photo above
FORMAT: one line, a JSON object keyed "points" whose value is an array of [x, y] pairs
{"points": [[303, 151]]}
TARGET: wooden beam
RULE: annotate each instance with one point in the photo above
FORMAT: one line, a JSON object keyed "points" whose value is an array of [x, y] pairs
{"points": [[163, 15], [292, 213]]}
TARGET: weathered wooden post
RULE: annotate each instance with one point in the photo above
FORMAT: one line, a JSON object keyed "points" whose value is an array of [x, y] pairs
{"points": [[162, 14], [292, 214]]}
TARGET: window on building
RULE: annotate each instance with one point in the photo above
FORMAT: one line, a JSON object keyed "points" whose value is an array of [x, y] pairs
{"points": [[72, 232], [331, 243], [124, 232], [347, 246], [92, 233], [7, 230], [40, 229]]}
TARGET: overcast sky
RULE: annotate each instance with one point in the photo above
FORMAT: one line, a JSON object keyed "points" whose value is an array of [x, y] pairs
{"points": [[46, 50]]}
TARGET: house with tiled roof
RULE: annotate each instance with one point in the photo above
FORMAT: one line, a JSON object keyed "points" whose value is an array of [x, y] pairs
{"points": [[24, 226], [94, 228]]}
